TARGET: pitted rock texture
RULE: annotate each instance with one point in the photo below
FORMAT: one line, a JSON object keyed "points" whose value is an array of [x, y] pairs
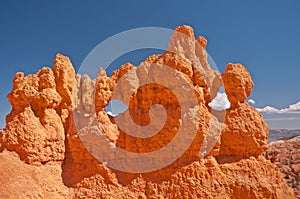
{"points": [[34, 127], [245, 134], [237, 82], [52, 108]]}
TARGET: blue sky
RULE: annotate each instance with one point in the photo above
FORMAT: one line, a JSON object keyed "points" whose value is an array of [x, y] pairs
{"points": [[262, 35]]}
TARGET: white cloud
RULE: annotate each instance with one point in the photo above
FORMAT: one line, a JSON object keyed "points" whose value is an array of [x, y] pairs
{"points": [[111, 114], [292, 109], [251, 101], [268, 109], [115, 107], [220, 102]]}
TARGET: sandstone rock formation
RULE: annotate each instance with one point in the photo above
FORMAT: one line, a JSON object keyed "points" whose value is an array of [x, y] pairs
{"points": [[246, 132], [237, 82], [34, 127], [1, 146], [53, 108]]}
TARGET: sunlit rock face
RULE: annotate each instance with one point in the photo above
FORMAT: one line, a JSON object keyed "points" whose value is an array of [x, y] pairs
{"points": [[53, 108]]}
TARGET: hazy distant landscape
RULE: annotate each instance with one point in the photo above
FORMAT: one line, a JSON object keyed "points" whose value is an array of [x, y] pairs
{"points": [[282, 134]]}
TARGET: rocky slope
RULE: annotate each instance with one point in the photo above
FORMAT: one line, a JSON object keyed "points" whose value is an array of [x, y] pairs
{"points": [[42, 155], [285, 154]]}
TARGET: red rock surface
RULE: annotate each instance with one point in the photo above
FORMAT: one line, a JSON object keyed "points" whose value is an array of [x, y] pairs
{"points": [[245, 134], [34, 127], [40, 130], [237, 82]]}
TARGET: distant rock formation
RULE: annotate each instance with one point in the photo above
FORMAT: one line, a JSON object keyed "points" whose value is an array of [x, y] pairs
{"points": [[42, 155], [286, 155], [282, 134]]}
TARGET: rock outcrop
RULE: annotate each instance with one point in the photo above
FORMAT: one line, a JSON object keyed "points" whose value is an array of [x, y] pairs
{"points": [[246, 132], [238, 83], [34, 127], [52, 109]]}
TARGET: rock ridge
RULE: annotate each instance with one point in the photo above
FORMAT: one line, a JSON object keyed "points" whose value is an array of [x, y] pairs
{"points": [[41, 144]]}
